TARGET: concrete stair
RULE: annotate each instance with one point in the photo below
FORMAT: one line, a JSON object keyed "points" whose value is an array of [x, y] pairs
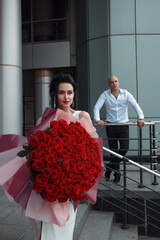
{"points": [[101, 225], [98, 225], [83, 212], [124, 234]]}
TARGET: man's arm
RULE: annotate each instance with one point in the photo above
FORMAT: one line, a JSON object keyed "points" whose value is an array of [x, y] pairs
{"points": [[140, 122], [97, 108]]}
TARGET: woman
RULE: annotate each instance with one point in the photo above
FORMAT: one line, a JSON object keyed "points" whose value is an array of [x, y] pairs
{"points": [[62, 91], [16, 176]]}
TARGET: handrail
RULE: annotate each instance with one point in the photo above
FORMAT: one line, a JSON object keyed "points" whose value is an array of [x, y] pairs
{"points": [[128, 123], [132, 162]]}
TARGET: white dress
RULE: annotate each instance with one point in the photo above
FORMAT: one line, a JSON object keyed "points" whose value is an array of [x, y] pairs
{"points": [[54, 232]]}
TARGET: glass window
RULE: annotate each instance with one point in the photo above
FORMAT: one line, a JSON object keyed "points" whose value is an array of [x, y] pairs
{"points": [[26, 32], [49, 9], [50, 31], [26, 10], [45, 20]]}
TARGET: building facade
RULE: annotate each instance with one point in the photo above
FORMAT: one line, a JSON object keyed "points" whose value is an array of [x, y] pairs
{"points": [[88, 38]]}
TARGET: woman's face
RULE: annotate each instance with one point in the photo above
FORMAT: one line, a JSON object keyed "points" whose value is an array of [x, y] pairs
{"points": [[65, 95]]}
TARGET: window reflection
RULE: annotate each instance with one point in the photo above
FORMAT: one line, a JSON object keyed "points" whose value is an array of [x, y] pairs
{"points": [[45, 20], [50, 31]]}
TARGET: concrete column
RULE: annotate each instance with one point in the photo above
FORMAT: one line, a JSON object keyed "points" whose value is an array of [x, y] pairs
{"points": [[10, 67], [42, 98]]}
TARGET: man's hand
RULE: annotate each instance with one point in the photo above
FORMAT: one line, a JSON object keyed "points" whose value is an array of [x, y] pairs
{"points": [[140, 123], [100, 123]]}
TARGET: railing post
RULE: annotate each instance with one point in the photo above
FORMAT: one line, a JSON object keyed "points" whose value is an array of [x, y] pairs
{"points": [[154, 156], [140, 154], [150, 137], [124, 225]]}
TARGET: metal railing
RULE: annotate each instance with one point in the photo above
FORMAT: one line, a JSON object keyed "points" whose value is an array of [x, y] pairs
{"points": [[143, 203], [148, 210], [151, 140]]}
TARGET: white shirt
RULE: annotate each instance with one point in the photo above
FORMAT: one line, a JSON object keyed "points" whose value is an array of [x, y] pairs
{"points": [[116, 109]]}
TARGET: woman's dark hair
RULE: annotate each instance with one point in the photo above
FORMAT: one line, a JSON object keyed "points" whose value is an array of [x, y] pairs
{"points": [[54, 85]]}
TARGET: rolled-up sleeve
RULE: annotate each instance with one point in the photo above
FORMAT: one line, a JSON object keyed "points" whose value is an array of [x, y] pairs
{"points": [[136, 106], [98, 106]]}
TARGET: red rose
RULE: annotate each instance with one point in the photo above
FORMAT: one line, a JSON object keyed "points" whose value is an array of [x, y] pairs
{"points": [[33, 141], [50, 197], [63, 199], [68, 189], [66, 165], [33, 155], [50, 172], [59, 192], [54, 124], [41, 180], [57, 178], [59, 148], [47, 138], [70, 147], [57, 140], [76, 188], [51, 158], [53, 132], [42, 156], [63, 123], [42, 146], [49, 188], [37, 188], [40, 134], [38, 165], [79, 197]]}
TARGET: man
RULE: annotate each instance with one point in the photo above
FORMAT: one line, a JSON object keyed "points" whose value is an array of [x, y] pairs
{"points": [[116, 104]]}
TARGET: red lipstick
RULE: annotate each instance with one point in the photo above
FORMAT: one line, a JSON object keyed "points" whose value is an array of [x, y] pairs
{"points": [[65, 102]]}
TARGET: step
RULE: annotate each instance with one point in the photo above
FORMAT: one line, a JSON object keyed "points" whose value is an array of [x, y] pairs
{"points": [[148, 238], [124, 234], [83, 211], [97, 227]]}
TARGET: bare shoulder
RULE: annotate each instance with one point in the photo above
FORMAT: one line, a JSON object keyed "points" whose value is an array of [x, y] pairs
{"points": [[38, 121], [86, 116]]}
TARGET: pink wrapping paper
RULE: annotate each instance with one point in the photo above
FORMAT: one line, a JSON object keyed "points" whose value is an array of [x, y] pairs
{"points": [[16, 179]]}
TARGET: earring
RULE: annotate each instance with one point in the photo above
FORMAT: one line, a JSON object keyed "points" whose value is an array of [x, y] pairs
{"points": [[54, 103]]}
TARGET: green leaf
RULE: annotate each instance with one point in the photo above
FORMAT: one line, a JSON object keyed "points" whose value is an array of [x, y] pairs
{"points": [[27, 156], [47, 131], [21, 153], [85, 201], [26, 148], [61, 160]]}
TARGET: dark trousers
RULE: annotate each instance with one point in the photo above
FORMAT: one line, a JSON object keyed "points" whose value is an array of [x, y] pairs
{"points": [[118, 141]]}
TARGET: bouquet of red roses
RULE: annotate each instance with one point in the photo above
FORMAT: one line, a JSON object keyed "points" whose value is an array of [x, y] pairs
{"points": [[59, 161], [65, 161]]}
